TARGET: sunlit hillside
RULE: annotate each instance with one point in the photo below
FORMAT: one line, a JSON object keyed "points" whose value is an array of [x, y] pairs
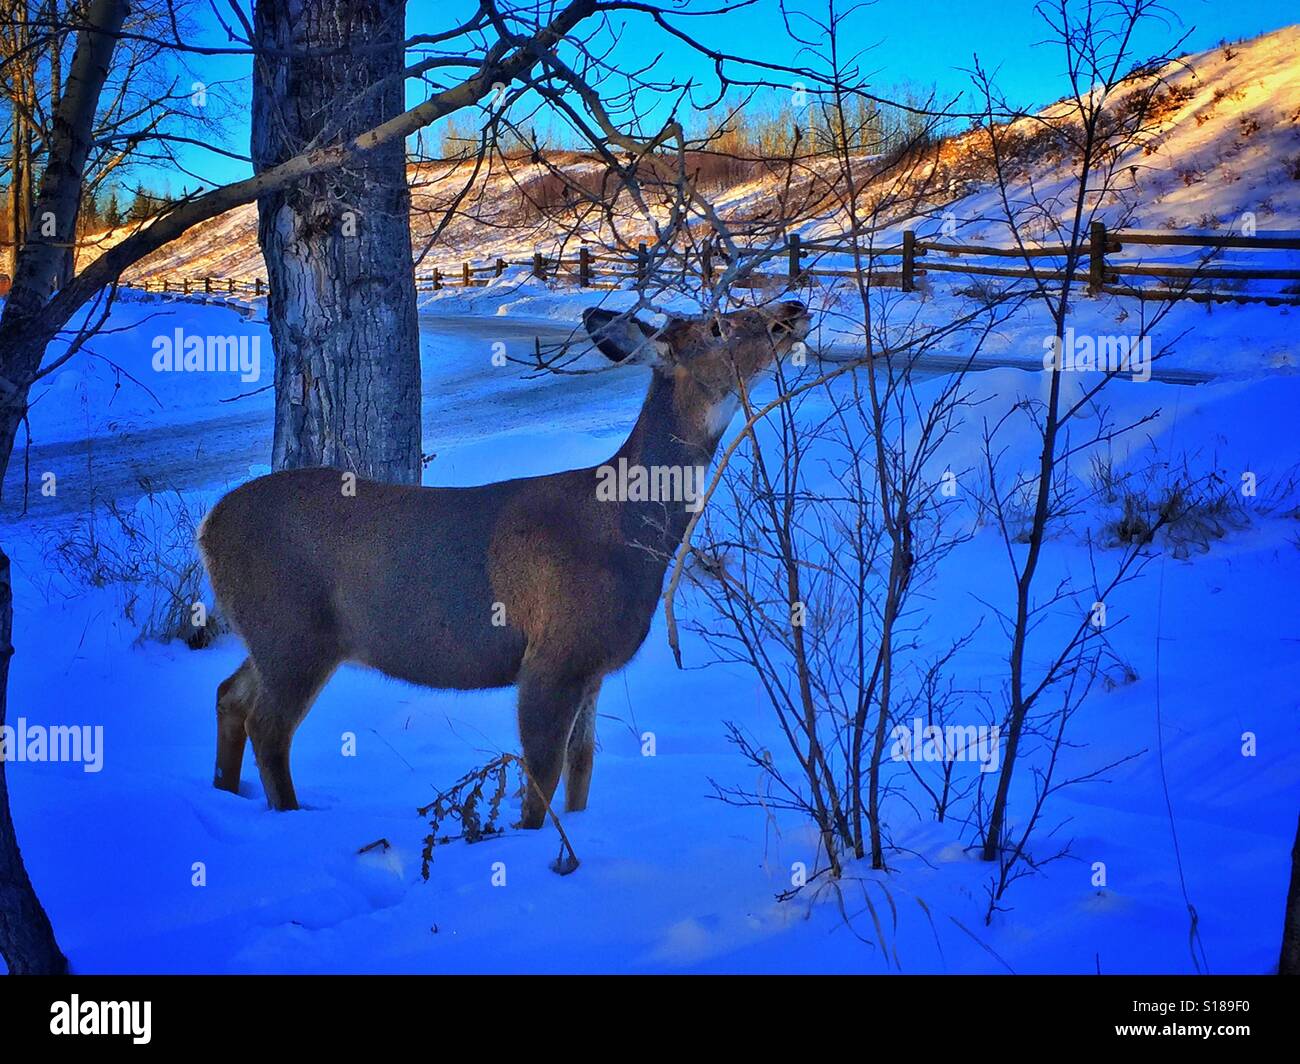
{"points": [[1227, 144]]}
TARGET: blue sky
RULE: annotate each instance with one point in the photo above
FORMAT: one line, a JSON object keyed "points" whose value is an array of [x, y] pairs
{"points": [[923, 42]]}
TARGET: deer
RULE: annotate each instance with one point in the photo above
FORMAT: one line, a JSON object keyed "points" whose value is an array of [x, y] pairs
{"points": [[543, 583]]}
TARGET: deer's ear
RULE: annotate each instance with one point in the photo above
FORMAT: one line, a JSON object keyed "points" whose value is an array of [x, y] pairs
{"points": [[624, 337]]}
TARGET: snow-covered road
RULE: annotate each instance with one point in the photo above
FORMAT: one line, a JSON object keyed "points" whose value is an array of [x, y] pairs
{"points": [[223, 443]]}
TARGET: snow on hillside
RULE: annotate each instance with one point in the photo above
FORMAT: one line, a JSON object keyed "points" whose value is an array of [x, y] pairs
{"points": [[1229, 146]]}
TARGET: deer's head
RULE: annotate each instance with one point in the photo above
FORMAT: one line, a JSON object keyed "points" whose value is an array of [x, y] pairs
{"points": [[707, 358]]}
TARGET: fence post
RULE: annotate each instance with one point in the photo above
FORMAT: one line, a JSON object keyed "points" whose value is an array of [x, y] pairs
{"points": [[207, 286], [706, 261], [465, 278], [909, 260], [437, 279], [164, 285], [1097, 258], [501, 267], [584, 267], [230, 286], [642, 264], [257, 286], [539, 266], [795, 254]]}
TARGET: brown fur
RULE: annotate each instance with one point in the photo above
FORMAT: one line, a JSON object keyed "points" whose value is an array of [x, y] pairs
{"points": [[404, 579]]}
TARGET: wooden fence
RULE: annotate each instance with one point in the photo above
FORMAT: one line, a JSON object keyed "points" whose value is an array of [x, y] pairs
{"points": [[1098, 266]]}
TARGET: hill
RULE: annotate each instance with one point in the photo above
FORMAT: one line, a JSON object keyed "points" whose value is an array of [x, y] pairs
{"points": [[1226, 148]]}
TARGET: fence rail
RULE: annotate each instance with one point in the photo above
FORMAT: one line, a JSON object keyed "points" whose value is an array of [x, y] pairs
{"points": [[1098, 269]]}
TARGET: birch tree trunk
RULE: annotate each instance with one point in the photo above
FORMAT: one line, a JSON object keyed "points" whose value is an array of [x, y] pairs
{"points": [[338, 246], [54, 51]]}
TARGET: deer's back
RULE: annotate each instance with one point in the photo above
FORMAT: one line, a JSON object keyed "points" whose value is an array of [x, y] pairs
{"points": [[447, 587]]}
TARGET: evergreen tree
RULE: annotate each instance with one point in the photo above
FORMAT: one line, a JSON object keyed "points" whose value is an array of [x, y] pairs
{"points": [[88, 219], [113, 210]]}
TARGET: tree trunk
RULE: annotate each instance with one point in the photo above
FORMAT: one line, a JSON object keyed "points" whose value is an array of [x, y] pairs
{"points": [[26, 940], [18, 66], [1290, 962], [337, 246], [55, 53]]}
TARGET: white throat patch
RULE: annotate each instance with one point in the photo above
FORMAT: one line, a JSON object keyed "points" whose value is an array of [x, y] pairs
{"points": [[720, 415]]}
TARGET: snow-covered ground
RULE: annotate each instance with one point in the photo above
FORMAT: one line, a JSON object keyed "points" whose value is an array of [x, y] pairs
{"points": [[671, 879], [145, 867]]}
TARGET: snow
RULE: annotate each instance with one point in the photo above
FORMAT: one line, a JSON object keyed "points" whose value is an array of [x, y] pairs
{"points": [[671, 879]]}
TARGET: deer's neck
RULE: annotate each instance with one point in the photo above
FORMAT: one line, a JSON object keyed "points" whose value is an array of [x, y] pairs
{"points": [[672, 427], [671, 445]]}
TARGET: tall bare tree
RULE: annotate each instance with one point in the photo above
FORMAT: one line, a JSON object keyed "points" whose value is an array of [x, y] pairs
{"points": [[20, 80], [338, 245], [26, 939]]}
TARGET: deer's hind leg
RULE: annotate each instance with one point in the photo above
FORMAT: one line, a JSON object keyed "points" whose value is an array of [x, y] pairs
{"points": [[236, 697], [549, 701], [581, 752], [290, 682]]}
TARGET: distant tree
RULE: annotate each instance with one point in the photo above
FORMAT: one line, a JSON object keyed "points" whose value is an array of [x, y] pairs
{"points": [[113, 210], [87, 222], [458, 139], [732, 134], [868, 126], [135, 207], [144, 206], [88, 216], [773, 129]]}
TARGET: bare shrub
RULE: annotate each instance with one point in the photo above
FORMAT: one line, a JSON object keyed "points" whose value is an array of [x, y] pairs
{"points": [[472, 805], [146, 553], [1191, 509], [474, 802]]}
